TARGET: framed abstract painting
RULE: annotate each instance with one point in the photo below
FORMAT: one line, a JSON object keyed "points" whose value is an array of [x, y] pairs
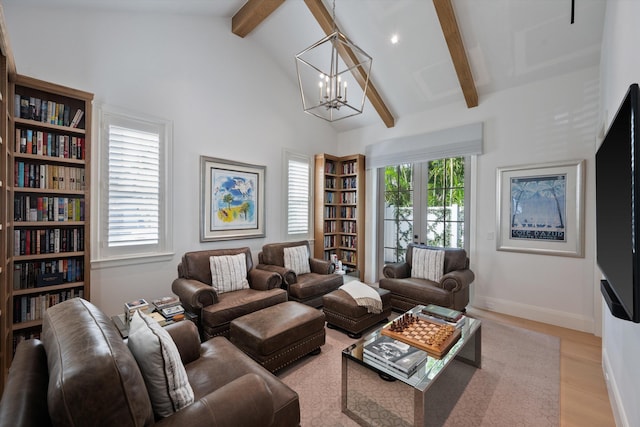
{"points": [[231, 200], [540, 208]]}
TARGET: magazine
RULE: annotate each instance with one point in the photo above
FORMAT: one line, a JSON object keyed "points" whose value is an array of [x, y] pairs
{"points": [[396, 354]]}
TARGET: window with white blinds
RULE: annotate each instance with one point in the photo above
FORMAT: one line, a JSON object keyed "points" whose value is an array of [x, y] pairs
{"points": [[134, 192], [134, 187], [298, 168]]}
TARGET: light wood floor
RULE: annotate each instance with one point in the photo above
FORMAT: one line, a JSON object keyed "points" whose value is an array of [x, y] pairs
{"points": [[584, 401]]}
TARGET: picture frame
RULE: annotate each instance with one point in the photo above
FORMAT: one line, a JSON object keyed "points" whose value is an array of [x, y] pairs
{"points": [[540, 208], [231, 200]]}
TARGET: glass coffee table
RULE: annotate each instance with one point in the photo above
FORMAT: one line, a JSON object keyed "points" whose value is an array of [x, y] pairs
{"points": [[373, 395]]}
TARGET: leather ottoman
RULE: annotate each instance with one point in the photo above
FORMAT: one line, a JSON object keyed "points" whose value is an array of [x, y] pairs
{"points": [[279, 335], [342, 311]]}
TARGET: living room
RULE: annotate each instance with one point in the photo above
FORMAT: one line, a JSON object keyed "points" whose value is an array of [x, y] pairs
{"points": [[228, 99]]}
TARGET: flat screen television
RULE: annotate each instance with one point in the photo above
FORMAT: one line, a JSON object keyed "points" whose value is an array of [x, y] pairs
{"points": [[618, 210]]}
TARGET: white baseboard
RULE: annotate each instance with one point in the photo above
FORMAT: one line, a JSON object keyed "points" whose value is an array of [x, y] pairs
{"points": [[535, 313], [619, 414]]}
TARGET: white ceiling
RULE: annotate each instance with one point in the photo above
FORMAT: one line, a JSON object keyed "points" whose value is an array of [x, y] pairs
{"points": [[508, 42]]}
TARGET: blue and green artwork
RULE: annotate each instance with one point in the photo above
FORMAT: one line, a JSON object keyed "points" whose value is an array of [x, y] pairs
{"points": [[233, 200]]}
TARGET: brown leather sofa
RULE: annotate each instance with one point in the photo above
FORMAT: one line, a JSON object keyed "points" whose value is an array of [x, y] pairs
{"points": [[306, 288], [452, 291], [83, 374], [216, 311]]}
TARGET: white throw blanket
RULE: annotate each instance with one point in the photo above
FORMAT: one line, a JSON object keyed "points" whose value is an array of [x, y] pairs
{"points": [[364, 295]]}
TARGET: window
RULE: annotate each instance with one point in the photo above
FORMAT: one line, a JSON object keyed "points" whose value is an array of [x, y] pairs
{"points": [[298, 183], [134, 191], [423, 203]]}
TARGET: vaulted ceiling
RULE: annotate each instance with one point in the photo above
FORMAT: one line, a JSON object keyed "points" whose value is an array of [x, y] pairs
{"points": [[494, 44]]}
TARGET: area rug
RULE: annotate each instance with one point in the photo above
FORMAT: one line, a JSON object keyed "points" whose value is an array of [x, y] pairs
{"points": [[518, 385]]}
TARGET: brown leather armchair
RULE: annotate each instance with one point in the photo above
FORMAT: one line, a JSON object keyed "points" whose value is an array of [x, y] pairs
{"points": [[215, 311], [83, 374], [452, 291], [305, 288]]}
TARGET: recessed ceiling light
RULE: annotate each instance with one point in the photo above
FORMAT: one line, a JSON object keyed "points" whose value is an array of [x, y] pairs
{"points": [[394, 39]]}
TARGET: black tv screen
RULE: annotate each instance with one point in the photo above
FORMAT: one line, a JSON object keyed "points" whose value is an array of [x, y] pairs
{"points": [[618, 210]]}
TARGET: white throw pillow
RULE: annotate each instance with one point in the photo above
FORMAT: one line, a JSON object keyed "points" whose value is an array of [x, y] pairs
{"points": [[228, 272], [160, 364], [427, 264], [296, 258]]}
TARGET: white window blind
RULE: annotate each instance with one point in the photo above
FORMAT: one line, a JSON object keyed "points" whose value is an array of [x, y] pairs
{"points": [[297, 187], [134, 187], [298, 202]]}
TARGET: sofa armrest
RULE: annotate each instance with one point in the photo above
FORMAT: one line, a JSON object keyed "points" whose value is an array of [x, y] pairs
{"points": [[264, 280], [24, 401], [187, 339], [321, 266], [457, 280], [246, 401], [397, 270], [288, 276], [194, 295]]}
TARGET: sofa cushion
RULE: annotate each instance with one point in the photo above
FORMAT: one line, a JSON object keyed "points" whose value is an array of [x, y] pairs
{"points": [[297, 259], [159, 361], [427, 264], [228, 273]]}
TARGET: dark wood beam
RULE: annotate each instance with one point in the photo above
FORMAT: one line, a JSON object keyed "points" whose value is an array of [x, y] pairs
{"points": [[324, 18], [447, 17], [251, 15]]}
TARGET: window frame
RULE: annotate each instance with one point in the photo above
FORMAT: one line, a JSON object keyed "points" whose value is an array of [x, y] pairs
{"points": [[132, 254], [287, 157], [419, 187]]}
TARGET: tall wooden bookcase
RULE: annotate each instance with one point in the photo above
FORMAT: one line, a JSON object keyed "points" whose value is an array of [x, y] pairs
{"points": [[47, 158], [339, 209], [6, 63]]}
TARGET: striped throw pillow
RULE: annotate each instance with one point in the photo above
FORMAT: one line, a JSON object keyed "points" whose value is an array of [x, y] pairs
{"points": [[427, 264], [228, 273], [160, 364], [296, 258]]}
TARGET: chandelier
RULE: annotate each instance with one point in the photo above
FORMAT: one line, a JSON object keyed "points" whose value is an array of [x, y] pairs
{"points": [[333, 75]]}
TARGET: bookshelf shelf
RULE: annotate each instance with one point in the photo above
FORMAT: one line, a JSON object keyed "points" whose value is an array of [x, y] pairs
{"points": [[47, 288], [47, 159], [339, 219], [47, 168], [26, 325]]}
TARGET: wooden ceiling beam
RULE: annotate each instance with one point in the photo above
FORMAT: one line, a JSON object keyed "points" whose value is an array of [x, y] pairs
{"points": [[251, 15], [447, 17], [324, 18]]}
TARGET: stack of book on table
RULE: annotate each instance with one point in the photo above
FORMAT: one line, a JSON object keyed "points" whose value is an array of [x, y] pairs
{"points": [[394, 355], [168, 307], [133, 306], [447, 315]]}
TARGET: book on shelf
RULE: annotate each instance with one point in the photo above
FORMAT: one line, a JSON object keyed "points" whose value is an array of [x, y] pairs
{"points": [[396, 355], [76, 118]]}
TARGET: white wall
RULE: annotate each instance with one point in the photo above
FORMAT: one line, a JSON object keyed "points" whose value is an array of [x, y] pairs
{"points": [[225, 97], [620, 66], [542, 122]]}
